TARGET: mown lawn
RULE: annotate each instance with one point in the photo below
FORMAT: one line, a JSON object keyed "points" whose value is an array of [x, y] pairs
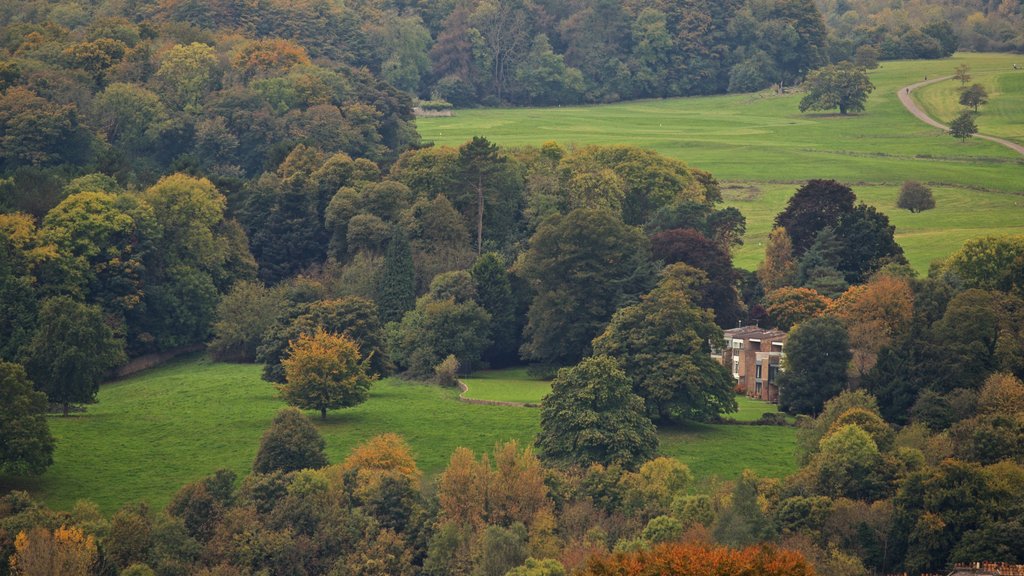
{"points": [[751, 409], [507, 385], [762, 140], [151, 433], [1002, 116]]}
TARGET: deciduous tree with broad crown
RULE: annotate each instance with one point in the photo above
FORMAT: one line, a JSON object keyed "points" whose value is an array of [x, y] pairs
{"points": [[593, 416], [324, 372]]}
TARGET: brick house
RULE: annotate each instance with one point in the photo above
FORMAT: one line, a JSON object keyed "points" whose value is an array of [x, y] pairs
{"points": [[754, 357]]}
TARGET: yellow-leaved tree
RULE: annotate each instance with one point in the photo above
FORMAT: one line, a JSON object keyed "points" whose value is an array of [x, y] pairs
{"points": [[65, 551], [323, 372]]}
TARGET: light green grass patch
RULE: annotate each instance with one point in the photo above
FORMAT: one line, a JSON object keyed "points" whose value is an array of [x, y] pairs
{"points": [[1002, 116], [724, 451], [152, 433], [508, 385], [751, 409]]}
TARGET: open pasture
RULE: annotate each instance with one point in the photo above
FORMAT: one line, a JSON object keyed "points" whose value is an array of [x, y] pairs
{"points": [[151, 433]]}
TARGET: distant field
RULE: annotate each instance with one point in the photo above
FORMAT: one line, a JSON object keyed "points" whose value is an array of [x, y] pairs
{"points": [[762, 140], [152, 433], [1002, 116]]}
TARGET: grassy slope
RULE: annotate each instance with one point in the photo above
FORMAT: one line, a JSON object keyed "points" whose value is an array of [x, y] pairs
{"points": [[763, 139], [1002, 116], [152, 433]]}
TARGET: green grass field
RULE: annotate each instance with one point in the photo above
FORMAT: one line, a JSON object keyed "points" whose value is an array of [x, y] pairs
{"points": [[762, 140], [751, 409], [508, 385], [151, 433], [1002, 116]]}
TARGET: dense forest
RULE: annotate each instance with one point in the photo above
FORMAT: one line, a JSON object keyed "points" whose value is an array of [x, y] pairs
{"points": [[523, 52], [980, 25], [246, 176]]}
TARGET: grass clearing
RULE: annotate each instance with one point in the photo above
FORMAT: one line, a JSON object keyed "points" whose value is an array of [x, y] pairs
{"points": [[722, 452], [508, 385], [751, 409], [761, 140], [151, 433]]}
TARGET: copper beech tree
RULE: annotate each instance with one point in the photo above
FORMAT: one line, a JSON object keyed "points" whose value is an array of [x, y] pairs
{"points": [[324, 372]]}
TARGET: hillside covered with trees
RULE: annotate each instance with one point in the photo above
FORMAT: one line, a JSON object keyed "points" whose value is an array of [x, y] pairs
{"points": [[246, 178]]}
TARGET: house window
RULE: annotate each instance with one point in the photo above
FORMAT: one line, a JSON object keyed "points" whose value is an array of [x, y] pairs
{"points": [[773, 372], [737, 344], [757, 388], [757, 371], [736, 367]]}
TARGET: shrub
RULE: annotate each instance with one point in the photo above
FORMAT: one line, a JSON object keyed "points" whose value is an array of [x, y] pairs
{"points": [[447, 372]]}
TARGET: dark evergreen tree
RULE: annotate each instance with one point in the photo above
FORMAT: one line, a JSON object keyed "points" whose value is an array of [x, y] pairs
{"points": [[494, 294], [291, 443], [868, 243], [817, 354], [396, 293]]}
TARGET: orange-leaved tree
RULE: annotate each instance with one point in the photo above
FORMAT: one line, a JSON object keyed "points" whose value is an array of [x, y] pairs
{"points": [[791, 306], [65, 551], [681, 559], [875, 314], [324, 371]]}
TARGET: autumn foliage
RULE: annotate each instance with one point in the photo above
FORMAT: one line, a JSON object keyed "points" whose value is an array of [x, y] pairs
{"points": [[324, 371], [65, 551], [678, 559], [790, 306]]}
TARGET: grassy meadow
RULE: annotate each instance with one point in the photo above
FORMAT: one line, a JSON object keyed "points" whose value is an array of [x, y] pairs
{"points": [[1004, 114], [762, 142], [506, 385], [151, 433]]}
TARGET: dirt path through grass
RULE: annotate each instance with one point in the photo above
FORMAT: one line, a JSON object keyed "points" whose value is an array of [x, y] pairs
{"points": [[913, 108]]}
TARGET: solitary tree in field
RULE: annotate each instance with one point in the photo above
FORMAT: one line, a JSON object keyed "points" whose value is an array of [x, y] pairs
{"points": [[963, 74], [291, 443], [323, 372], [593, 416], [963, 126], [844, 86], [974, 96], [915, 197]]}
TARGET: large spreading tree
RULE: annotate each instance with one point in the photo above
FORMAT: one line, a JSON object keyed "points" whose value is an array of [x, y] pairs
{"points": [[72, 350], [662, 342], [844, 86], [583, 266], [592, 416], [324, 372]]}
